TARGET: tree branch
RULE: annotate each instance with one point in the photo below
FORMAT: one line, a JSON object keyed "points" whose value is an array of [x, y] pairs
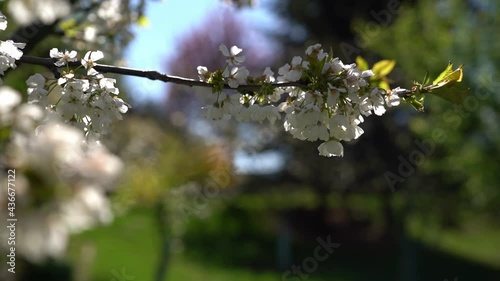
{"points": [[150, 74], [155, 75]]}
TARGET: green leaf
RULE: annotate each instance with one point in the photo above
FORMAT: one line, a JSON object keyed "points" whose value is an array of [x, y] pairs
{"points": [[427, 79], [143, 21], [67, 24], [383, 67], [449, 75], [361, 63], [445, 88], [447, 71]]}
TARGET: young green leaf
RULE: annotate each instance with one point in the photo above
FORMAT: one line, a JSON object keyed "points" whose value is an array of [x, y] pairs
{"points": [[427, 79], [449, 78], [383, 67], [361, 63], [143, 21], [449, 75]]}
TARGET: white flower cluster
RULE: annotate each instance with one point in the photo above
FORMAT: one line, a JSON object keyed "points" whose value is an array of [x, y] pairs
{"points": [[235, 76], [89, 103], [28, 11], [330, 102], [109, 15], [61, 176], [243, 107], [9, 50], [53, 160], [100, 23]]}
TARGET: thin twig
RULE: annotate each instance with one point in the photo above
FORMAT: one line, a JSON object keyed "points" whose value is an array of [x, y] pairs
{"points": [[151, 74], [155, 75]]}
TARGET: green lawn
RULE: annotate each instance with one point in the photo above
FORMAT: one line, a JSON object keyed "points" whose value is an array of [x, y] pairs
{"points": [[130, 246], [476, 241]]}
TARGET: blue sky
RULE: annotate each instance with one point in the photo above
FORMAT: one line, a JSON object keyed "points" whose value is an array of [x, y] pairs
{"points": [[168, 20], [153, 45]]}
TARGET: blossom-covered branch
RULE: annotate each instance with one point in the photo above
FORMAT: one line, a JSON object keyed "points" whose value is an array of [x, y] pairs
{"points": [[326, 99], [155, 75], [149, 74]]}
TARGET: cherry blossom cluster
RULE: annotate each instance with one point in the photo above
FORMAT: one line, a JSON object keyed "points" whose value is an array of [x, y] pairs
{"points": [[9, 50], [244, 107], [48, 11], [61, 174], [109, 15], [321, 97], [88, 102], [86, 31], [54, 160]]}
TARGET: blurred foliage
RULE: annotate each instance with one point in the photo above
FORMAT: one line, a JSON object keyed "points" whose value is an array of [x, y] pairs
{"points": [[158, 160], [467, 161]]}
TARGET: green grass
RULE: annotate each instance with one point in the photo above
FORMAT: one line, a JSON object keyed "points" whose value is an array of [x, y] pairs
{"points": [[131, 243], [183, 269], [475, 241]]}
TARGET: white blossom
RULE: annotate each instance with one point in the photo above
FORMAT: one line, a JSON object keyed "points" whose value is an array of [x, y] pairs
{"points": [[271, 113], [238, 76], [85, 209], [289, 74], [269, 74], [9, 53], [232, 55], [203, 73], [90, 33], [63, 57], [216, 112], [3, 21], [376, 102], [331, 148], [109, 11], [44, 236], [89, 60], [393, 99], [28, 117], [312, 48], [65, 77], [9, 99]]}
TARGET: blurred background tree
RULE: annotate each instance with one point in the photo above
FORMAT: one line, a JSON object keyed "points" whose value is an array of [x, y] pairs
{"points": [[440, 203]]}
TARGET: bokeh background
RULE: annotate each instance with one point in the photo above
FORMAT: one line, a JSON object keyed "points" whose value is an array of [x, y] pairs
{"points": [[417, 198]]}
